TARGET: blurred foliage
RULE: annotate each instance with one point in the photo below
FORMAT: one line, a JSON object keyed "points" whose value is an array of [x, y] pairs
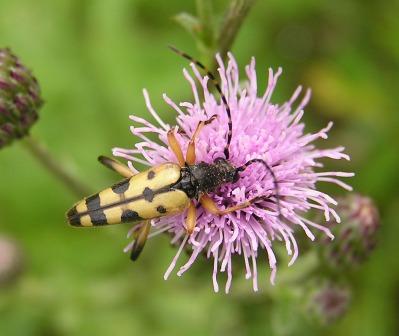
{"points": [[92, 59]]}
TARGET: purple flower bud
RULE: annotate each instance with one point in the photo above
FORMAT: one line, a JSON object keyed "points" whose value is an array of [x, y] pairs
{"points": [[19, 98], [329, 303], [356, 235]]}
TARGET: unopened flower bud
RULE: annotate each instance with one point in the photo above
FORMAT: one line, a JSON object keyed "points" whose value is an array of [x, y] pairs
{"points": [[19, 98], [355, 236], [329, 302]]}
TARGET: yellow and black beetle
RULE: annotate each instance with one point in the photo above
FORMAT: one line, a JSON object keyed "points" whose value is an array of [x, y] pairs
{"points": [[165, 189]]}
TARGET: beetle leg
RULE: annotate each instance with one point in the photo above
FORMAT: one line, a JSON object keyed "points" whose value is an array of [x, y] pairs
{"points": [[210, 206], [191, 218], [141, 238], [116, 166], [175, 147], [190, 154]]}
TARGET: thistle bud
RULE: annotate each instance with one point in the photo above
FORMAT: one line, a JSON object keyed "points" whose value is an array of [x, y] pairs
{"points": [[329, 303], [355, 236], [19, 98]]}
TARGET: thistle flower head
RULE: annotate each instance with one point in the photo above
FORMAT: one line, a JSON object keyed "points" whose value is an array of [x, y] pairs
{"points": [[19, 98], [356, 235], [261, 129]]}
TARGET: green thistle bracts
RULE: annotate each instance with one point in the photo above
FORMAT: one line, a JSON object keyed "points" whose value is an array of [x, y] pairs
{"points": [[19, 98]]}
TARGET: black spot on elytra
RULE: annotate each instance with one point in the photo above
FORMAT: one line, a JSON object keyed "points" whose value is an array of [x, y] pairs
{"points": [[73, 217], [121, 187], [93, 202], [74, 221], [94, 210], [98, 218], [148, 194], [151, 175], [72, 212], [161, 209], [130, 216]]}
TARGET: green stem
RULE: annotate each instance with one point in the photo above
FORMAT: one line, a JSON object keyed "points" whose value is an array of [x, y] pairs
{"points": [[40, 152], [206, 42], [233, 19]]}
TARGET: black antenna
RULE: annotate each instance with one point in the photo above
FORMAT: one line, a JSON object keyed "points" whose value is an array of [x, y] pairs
{"points": [[270, 170], [218, 88]]}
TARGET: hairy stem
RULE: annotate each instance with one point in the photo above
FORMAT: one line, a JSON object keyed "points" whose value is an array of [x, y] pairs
{"points": [[233, 19], [40, 152]]}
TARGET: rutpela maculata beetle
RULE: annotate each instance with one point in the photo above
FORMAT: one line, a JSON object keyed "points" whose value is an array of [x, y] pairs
{"points": [[168, 188]]}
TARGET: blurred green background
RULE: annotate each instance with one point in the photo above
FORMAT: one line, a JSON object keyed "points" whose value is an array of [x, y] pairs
{"points": [[92, 59]]}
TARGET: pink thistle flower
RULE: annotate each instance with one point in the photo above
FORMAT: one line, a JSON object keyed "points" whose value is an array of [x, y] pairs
{"points": [[261, 129]]}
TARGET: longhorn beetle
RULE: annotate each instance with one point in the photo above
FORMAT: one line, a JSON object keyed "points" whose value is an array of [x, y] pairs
{"points": [[168, 188]]}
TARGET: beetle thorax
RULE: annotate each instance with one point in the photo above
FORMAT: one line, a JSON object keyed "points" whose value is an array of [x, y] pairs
{"points": [[209, 176]]}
